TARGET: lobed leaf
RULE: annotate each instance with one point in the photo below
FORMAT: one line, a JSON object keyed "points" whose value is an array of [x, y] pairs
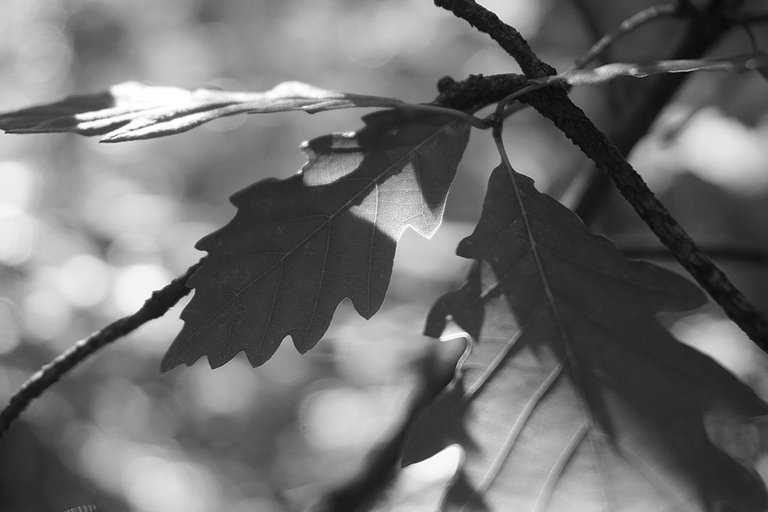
{"points": [[298, 247], [133, 111], [571, 396]]}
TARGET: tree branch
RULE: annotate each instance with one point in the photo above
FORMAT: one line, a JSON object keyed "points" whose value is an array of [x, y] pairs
{"points": [[156, 306], [628, 25], [726, 252], [696, 41], [553, 103], [506, 36], [589, 18]]}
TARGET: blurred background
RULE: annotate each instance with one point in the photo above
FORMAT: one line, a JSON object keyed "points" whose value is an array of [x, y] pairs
{"points": [[88, 231]]}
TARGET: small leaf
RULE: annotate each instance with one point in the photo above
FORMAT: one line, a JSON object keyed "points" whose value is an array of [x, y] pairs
{"points": [[133, 111], [757, 62], [298, 247], [571, 395]]}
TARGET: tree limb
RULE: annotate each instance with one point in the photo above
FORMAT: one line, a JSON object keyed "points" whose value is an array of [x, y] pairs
{"points": [[554, 104], [156, 306], [628, 25]]}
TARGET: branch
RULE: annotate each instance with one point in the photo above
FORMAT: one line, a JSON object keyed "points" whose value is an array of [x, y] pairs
{"points": [[553, 103], [726, 252], [696, 41], [507, 37], [588, 16], [156, 306], [632, 23]]}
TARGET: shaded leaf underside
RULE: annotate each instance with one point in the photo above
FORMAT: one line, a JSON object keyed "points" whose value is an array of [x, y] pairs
{"points": [[297, 247], [571, 395], [134, 111]]}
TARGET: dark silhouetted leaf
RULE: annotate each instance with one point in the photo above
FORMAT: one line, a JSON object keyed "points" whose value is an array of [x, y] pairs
{"points": [[133, 111], [297, 247], [571, 395]]}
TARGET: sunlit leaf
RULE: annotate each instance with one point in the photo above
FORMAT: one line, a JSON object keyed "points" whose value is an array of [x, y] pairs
{"points": [[571, 395], [757, 62], [133, 111], [298, 247]]}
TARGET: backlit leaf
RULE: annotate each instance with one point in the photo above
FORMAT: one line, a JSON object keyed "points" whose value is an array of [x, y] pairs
{"points": [[571, 395], [757, 62], [298, 247], [133, 111]]}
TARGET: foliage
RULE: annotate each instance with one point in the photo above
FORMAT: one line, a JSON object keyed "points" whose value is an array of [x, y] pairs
{"points": [[570, 393], [553, 401]]}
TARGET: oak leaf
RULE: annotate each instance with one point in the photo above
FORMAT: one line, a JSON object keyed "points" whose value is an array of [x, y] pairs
{"points": [[571, 396], [298, 247], [134, 111]]}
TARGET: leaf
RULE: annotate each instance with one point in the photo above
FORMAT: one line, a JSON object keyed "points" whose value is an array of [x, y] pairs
{"points": [[133, 111], [571, 395], [298, 247], [756, 62]]}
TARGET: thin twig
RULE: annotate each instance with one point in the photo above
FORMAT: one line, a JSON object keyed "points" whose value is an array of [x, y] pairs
{"points": [[627, 26], [506, 36], [696, 41], [553, 103], [590, 20], [725, 252], [156, 306]]}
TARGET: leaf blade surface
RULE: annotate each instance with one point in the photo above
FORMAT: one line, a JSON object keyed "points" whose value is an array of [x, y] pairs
{"points": [[299, 246], [572, 396], [134, 111]]}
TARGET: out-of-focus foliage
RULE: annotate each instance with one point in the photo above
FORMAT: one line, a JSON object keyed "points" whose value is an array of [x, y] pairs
{"points": [[87, 231]]}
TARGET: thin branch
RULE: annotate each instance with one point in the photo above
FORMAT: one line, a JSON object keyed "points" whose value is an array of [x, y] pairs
{"points": [[696, 41], [590, 20], [156, 306], [726, 252], [553, 103], [627, 26], [506, 36]]}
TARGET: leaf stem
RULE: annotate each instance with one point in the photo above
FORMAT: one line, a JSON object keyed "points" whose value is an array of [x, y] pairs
{"points": [[156, 306], [553, 103], [460, 114]]}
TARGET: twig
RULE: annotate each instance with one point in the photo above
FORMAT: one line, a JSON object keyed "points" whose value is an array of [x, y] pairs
{"points": [[156, 306], [696, 41], [506, 36], [553, 103], [628, 25], [726, 252], [594, 28]]}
